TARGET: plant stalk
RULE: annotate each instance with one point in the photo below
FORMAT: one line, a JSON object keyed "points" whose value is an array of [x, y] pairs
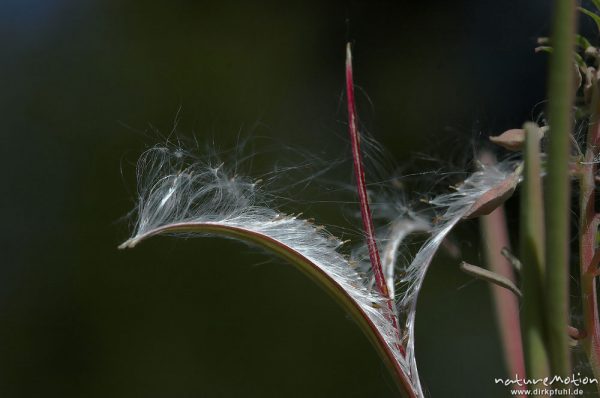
{"points": [[495, 238], [560, 102], [588, 251], [532, 256], [361, 185]]}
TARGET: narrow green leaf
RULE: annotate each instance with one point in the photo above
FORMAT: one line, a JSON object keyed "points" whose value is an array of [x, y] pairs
{"points": [[582, 42], [580, 61], [544, 49], [590, 14]]}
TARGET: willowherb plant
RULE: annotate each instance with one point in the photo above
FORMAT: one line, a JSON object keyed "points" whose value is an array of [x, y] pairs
{"points": [[181, 194]]}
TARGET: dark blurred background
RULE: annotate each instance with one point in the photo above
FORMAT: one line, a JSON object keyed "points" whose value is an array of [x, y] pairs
{"points": [[86, 85]]}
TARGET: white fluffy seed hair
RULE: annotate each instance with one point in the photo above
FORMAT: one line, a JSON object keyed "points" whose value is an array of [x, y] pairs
{"points": [[398, 231], [390, 239], [175, 188], [453, 207]]}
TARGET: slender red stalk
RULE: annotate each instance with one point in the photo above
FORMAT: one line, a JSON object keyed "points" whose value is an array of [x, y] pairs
{"points": [[495, 234], [359, 173], [495, 237], [361, 185], [588, 252]]}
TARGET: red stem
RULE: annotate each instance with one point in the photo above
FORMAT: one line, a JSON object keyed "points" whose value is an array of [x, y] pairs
{"points": [[495, 236], [587, 250], [359, 174]]}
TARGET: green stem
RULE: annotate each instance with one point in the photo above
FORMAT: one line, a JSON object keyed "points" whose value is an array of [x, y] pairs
{"points": [[560, 101], [532, 253]]}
